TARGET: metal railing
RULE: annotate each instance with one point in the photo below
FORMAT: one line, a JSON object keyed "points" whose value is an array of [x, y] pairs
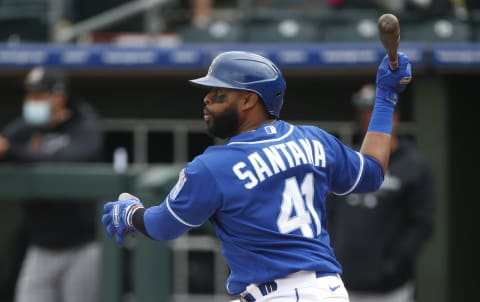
{"points": [[110, 17], [180, 128], [181, 248]]}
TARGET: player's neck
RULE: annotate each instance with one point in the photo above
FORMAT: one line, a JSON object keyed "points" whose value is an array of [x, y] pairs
{"points": [[251, 125]]}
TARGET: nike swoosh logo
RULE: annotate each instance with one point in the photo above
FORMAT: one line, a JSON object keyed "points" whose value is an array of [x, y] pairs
{"points": [[334, 288]]}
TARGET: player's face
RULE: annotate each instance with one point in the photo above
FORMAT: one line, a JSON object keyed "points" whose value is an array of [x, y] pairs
{"points": [[221, 112]]}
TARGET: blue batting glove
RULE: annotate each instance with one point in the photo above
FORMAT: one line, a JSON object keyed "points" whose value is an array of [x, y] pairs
{"points": [[118, 216], [391, 82]]}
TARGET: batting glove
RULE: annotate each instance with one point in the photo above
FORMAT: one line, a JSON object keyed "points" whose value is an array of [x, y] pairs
{"points": [[118, 216], [391, 82]]}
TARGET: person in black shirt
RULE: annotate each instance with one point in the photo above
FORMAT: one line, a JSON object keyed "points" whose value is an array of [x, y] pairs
{"points": [[377, 236], [62, 256]]}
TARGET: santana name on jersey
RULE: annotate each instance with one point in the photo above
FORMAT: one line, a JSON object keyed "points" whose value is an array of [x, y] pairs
{"points": [[278, 158]]}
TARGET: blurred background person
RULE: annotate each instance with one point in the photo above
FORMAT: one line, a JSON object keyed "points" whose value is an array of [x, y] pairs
{"points": [[62, 257], [201, 12], [378, 236]]}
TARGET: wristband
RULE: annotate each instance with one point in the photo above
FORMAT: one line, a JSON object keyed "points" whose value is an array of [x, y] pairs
{"points": [[382, 115], [130, 212]]}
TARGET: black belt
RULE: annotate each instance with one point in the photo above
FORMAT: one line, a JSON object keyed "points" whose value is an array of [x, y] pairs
{"points": [[248, 298], [265, 289], [271, 286]]}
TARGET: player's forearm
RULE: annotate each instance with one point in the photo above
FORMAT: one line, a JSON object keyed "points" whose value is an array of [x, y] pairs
{"points": [[377, 140], [377, 146]]}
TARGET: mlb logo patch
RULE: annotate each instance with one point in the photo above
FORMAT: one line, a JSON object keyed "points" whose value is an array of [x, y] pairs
{"points": [[181, 181], [270, 130]]}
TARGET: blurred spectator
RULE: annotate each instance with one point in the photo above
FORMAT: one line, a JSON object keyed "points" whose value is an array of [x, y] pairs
{"points": [[377, 236], [460, 10], [201, 12], [62, 256], [399, 6], [334, 3]]}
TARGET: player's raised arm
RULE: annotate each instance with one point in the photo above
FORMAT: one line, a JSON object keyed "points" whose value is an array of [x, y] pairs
{"points": [[389, 84]]}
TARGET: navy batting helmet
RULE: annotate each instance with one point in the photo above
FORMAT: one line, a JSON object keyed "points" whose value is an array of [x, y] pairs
{"points": [[247, 71]]}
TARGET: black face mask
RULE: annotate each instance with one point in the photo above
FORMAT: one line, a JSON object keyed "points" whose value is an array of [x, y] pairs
{"points": [[226, 124]]}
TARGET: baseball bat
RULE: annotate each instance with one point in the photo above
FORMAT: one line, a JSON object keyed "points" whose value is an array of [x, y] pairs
{"points": [[389, 32]]}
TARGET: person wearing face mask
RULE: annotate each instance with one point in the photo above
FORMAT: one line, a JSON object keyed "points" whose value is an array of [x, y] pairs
{"points": [[58, 266]]}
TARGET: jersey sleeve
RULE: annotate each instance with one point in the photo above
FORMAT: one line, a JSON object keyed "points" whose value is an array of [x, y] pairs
{"points": [[195, 197], [349, 168], [353, 172]]}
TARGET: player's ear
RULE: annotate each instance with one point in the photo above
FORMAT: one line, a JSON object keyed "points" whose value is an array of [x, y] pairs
{"points": [[250, 100]]}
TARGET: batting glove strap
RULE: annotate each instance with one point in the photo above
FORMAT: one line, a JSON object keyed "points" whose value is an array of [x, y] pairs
{"points": [[129, 212], [116, 216], [387, 95], [122, 214]]}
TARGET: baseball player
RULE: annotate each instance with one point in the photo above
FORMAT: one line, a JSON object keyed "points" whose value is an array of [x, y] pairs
{"points": [[264, 190]]}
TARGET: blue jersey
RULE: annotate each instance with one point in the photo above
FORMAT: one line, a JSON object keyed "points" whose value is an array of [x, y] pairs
{"points": [[265, 191]]}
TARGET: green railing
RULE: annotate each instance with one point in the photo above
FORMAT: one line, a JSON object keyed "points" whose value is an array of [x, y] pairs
{"points": [[149, 262]]}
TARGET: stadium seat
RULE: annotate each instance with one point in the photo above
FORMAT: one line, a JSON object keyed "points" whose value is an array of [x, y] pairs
{"points": [[287, 30], [360, 30], [20, 19], [451, 30], [217, 32], [475, 25], [350, 25], [25, 29]]}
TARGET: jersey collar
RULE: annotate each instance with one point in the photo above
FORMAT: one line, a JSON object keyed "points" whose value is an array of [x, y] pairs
{"points": [[267, 132]]}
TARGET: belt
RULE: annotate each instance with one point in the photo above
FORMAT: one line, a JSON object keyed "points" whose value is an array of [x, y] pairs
{"points": [[256, 291]]}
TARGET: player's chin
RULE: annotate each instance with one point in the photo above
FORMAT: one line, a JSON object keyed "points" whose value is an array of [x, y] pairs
{"points": [[210, 125]]}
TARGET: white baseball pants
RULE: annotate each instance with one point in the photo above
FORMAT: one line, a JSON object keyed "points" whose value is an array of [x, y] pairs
{"points": [[299, 287]]}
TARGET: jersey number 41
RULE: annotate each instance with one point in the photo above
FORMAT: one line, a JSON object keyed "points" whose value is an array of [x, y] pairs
{"points": [[297, 210]]}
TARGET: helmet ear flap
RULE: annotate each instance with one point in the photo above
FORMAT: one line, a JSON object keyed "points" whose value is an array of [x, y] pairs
{"points": [[247, 71]]}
